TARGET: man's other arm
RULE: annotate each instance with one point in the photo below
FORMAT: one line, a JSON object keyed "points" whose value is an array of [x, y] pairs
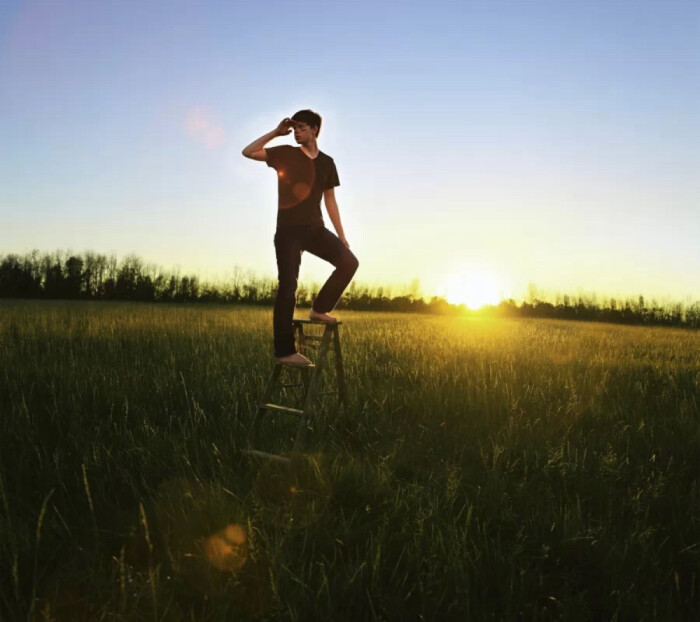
{"points": [[256, 149], [334, 213]]}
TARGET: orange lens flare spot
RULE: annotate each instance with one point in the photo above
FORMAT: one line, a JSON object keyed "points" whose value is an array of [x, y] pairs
{"points": [[236, 534], [227, 549], [301, 190]]}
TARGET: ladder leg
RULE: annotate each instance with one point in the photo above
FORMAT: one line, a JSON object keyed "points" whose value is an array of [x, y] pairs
{"points": [[269, 387], [313, 388], [299, 335], [340, 373], [305, 381]]}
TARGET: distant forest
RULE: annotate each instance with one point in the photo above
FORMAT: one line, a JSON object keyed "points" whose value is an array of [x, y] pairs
{"points": [[91, 276]]}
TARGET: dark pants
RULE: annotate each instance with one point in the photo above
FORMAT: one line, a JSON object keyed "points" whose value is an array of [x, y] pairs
{"points": [[290, 243]]}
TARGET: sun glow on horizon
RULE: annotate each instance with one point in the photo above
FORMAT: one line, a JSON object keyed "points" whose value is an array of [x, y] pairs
{"points": [[474, 289]]}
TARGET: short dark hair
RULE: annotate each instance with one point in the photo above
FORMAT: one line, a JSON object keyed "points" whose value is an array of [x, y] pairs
{"points": [[311, 118]]}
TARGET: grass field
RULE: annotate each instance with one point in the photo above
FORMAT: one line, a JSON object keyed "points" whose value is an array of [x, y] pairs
{"points": [[484, 470]]}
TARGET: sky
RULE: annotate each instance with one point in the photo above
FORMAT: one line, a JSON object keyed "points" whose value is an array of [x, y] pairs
{"points": [[513, 142]]}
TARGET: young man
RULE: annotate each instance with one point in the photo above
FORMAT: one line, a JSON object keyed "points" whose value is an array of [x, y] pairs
{"points": [[305, 174]]}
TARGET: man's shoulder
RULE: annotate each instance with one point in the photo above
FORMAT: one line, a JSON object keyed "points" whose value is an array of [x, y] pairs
{"points": [[325, 156], [281, 149], [279, 155]]}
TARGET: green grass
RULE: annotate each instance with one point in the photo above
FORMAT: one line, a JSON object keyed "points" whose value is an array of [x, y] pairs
{"points": [[484, 470]]}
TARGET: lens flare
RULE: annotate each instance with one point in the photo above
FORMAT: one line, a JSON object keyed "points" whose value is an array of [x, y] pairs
{"points": [[202, 128], [295, 182], [227, 549], [292, 495], [301, 190]]}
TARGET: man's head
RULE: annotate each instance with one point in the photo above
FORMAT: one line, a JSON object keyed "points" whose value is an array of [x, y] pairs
{"points": [[307, 125]]}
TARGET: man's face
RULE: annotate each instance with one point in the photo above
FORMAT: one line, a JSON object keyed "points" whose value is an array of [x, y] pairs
{"points": [[303, 133]]}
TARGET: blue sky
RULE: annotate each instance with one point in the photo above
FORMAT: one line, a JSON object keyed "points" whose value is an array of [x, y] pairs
{"points": [[541, 141]]}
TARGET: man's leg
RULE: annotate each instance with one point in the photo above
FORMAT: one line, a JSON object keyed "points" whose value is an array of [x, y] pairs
{"points": [[288, 250], [327, 246]]}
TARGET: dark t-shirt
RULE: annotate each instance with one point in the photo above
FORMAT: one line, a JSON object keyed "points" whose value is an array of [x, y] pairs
{"points": [[301, 182]]}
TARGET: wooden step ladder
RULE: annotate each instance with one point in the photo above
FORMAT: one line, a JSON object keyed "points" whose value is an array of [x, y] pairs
{"points": [[309, 381]]}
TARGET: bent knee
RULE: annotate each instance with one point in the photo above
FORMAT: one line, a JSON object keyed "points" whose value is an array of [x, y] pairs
{"points": [[350, 264]]}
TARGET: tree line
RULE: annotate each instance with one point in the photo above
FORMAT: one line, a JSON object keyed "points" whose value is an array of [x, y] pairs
{"points": [[93, 276]]}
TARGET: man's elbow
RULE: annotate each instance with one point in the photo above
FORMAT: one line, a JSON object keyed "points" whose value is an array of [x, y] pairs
{"points": [[255, 155]]}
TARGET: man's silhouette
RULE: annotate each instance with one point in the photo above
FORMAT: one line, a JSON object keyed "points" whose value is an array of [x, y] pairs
{"points": [[305, 174]]}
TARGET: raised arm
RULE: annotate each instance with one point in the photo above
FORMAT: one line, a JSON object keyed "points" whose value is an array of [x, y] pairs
{"points": [[334, 213], [256, 149]]}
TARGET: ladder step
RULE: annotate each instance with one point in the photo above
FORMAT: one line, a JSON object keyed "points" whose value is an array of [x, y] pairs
{"points": [[264, 454], [313, 338], [284, 409]]}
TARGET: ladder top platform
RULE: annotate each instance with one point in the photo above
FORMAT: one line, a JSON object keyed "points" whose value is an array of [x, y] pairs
{"points": [[296, 321]]}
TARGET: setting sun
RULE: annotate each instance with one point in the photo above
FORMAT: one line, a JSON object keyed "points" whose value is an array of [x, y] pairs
{"points": [[473, 289]]}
